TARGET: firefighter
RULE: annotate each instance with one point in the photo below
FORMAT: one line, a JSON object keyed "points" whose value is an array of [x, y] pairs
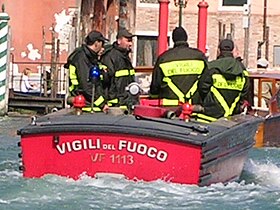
{"points": [[177, 72], [225, 86], [80, 63], [120, 70]]}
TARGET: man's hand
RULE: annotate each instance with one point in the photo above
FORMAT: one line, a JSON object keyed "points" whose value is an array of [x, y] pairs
{"points": [[105, 108]]}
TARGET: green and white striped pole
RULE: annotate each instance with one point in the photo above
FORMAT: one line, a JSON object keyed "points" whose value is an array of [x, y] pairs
{"points": [[4, 29]]}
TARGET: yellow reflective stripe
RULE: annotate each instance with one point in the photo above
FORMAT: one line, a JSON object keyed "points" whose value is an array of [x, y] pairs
{"points": [[228, 110], [99, 101], [234, 104], [183, 67], [192, 90], [102, 66], [204, 118], [170, 102], [221, 100], [124, 72], [113, 101], [123, 107], [175, 89], [246, 73], [220, 82], [178, 92], [73, 77], [88, 109]]}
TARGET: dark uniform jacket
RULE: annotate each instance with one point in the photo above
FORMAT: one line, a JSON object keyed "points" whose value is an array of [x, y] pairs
{"points": [[120, 74], [79, 64], [176, 74], [223, 88]]}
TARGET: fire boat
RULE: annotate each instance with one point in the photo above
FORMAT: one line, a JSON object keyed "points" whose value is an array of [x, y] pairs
{"points": [[150, 143], [146, 143]]}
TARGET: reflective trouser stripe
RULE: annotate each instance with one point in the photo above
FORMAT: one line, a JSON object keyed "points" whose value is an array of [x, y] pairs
{"points": [[123, 107], [204, 118], [228, 110], [88, 109]]}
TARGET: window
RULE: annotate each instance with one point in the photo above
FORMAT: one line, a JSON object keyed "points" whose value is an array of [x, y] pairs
{"points": [[235, 3], [149, 1], [232, 5], [146, 50]]}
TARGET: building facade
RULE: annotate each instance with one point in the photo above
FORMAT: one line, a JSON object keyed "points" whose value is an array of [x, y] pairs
{"points": [[36, 27], [225, 18]]}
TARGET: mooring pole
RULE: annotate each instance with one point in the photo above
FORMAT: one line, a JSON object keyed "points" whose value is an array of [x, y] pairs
{"points": [[202, 25], [163, 26], [4, 31]]}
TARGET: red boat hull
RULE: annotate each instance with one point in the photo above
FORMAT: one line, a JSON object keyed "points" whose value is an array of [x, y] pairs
{"points": [[145, 149], [142, 159]]}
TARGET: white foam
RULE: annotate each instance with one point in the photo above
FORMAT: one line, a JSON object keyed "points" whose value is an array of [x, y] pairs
{"points": [[265, 173]]}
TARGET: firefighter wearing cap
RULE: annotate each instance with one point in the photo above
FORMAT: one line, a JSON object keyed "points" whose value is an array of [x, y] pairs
{"points": [[79, 63], [120, 70], [262, 65], [225, 86], [177, 72]]}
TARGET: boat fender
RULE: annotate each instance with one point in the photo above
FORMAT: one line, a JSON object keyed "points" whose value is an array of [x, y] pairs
{"points": [[33, 120], [170, 115], [54, 109]]}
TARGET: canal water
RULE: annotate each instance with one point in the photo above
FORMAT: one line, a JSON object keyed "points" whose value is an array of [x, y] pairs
{"points": [[258, 188]]}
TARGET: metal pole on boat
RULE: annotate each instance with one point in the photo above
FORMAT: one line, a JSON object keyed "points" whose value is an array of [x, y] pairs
{"points": [[94, 75]]}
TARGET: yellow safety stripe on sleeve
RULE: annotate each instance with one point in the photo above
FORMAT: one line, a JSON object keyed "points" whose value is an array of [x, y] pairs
{"points": [[73, 77], [124, 72], [246, 73], [228, 110], [220, 82], [113, 101], [88, 109], [183, 67], [123, 107], [102, 66], [99, 101]]}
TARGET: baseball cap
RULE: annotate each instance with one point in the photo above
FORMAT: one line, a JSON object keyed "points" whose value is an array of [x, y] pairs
{"points": [[226, 45], [124, 33], [95, 36]]}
